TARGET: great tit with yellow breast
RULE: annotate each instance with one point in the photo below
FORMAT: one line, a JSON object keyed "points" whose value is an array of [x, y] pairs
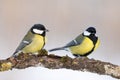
{"points": [[82, 45], [33, 41]]}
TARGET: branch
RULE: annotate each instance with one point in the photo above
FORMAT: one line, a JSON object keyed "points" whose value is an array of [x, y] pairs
{"points": [[56, 62]]}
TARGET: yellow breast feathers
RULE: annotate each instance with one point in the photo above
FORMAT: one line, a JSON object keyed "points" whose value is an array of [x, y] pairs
{"points": [[86, 46], [36, 45]]}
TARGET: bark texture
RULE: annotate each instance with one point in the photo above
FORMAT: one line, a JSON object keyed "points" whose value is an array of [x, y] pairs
{"points": [[56, 62]]}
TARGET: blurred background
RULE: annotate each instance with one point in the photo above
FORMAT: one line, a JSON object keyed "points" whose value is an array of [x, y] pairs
{"points": [[65, 19]]}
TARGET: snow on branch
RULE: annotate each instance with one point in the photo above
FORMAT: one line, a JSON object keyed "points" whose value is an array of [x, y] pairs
{"points": [[56, 62]]}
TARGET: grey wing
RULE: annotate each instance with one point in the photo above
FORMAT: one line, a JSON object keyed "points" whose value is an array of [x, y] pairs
{"points": [[26, 41], [78, 40]]}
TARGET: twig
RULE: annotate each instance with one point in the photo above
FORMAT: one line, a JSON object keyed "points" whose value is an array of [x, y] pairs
{"points": [[56, 62]]}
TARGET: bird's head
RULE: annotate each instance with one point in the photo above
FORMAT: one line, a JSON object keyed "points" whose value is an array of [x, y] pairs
{"points": [[89, 31], [39, 29]]}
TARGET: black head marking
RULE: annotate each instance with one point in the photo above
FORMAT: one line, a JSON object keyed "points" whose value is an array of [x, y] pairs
{"points": [[38, 29], [92, 30], [92, 35]]}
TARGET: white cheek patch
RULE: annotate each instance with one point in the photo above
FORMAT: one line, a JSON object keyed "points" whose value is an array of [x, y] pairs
{"points": [[38, 31], [96, 35], [86, 33]]}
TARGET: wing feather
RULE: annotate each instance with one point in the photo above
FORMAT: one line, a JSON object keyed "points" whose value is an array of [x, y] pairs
{"points": [[26, 41], [77, 41]]}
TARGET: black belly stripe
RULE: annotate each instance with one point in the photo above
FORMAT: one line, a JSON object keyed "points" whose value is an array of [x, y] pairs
{"points": [[93, 38], [88, 52]]}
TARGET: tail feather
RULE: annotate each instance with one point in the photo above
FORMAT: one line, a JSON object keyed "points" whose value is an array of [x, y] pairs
{"points": [[55, 49], [16, 53]]}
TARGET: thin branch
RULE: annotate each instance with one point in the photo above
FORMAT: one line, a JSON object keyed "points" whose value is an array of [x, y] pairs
{"points": [[56, 62]]}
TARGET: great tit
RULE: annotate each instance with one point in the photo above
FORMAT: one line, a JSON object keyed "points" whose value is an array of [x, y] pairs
{"points": [[82, 45], [33, 41]]}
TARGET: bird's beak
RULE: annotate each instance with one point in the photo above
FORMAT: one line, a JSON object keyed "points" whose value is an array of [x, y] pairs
{"points": [[46, 30]]}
